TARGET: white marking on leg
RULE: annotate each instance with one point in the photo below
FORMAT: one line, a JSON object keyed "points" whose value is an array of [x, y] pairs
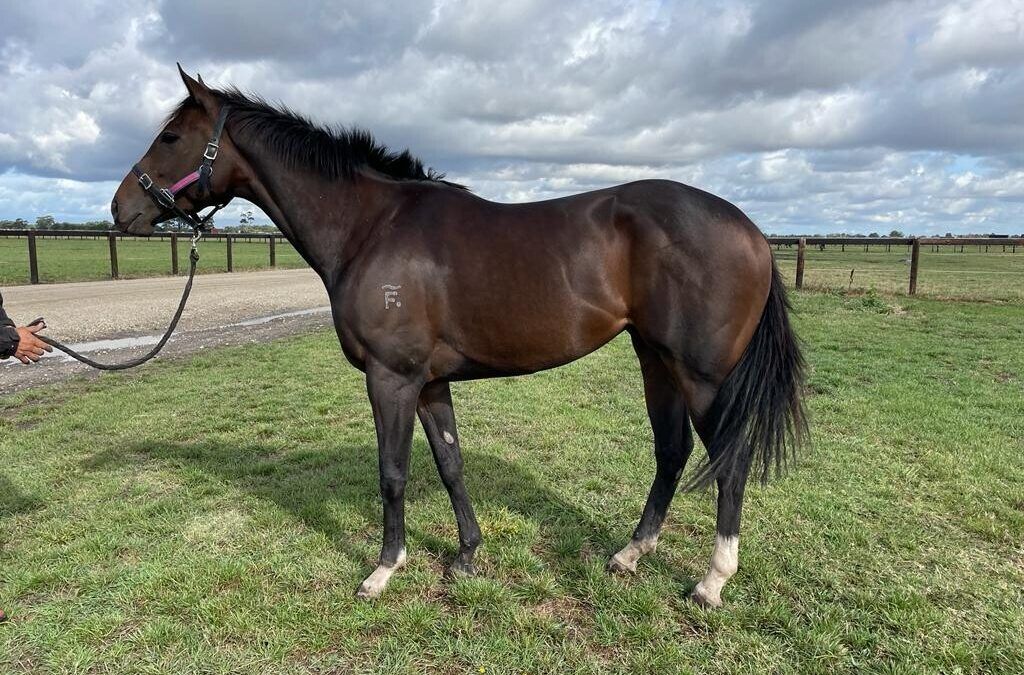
{"points": [[626, 559], [725, 560], [375, 584], [448, 438]]}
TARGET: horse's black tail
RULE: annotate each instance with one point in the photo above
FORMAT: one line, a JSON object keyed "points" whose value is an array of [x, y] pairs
{"points": [[757, 417]]}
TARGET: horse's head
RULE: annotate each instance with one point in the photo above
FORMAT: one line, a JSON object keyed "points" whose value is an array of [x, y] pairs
{"points": [[176, 176]]}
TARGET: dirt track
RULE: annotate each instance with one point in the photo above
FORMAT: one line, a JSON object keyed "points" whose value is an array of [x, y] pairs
{"points": [[224, 309]]}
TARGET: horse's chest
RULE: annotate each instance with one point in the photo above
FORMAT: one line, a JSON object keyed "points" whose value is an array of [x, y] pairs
{"points": [[382, 323], [354, 351]]}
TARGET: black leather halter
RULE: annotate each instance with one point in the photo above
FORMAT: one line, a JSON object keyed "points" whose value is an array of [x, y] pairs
{"points": [[166, 198]]}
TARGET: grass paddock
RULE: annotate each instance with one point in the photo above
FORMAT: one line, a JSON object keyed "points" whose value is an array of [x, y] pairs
{"points": [[64, 260], [216, 515], [996, 275]]}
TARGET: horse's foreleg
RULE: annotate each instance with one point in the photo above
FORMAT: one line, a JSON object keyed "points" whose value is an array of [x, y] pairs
{"points": [[438, 419], [673, 443], [393, 399]]}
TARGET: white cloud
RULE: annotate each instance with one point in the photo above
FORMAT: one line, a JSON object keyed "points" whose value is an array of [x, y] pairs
{"points": [[808, 115], [980, 33]]}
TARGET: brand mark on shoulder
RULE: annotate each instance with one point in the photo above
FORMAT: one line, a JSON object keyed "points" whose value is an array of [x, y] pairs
{"points": [[391, 296]]}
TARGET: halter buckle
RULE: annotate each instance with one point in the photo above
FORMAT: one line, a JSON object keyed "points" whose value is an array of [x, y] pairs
{"points": [[211, 151], [167, 198], [145, 181]]}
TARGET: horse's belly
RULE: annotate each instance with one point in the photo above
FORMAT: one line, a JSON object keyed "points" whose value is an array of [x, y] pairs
{"points": [[528, 338]]}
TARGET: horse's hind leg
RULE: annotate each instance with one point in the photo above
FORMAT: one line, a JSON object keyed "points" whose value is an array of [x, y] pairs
{"points": [[725, 555], [438, 419], [673, 442]]}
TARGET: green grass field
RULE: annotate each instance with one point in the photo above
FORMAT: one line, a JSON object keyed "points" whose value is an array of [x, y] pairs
{"points": [[63, 260], [948, 274], [216, 515]]}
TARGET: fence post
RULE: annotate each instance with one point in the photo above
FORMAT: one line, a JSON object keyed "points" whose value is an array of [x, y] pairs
{"points": [[174, 253], [273, 251], [231, 262], [112, 238], [800, 250], [915, 258], [33, 259]]}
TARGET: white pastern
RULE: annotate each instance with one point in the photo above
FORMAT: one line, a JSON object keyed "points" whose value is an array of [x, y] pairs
{"points": [[375, 584], [725, 560], [626, 559]]}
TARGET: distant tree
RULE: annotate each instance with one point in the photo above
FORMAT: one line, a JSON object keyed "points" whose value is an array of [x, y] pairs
{"points": [[45, 223], [895, 233], [873, 234], [246, 218]]}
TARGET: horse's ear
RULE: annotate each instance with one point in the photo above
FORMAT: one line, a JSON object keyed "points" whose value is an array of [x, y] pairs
{"points": [[198, 90]]}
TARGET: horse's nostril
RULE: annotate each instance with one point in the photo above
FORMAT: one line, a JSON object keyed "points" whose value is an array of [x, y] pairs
{"points": [[113, 208]]}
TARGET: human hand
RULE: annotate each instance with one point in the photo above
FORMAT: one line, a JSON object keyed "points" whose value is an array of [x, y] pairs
{"points": [[31, 348]]}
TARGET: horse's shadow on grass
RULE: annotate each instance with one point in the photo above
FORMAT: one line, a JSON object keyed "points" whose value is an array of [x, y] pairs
{"points": [[13, 501], [310, 484]]}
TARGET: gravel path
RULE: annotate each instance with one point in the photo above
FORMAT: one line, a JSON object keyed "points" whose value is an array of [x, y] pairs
{"points": [[224, 309], [106, 309]]}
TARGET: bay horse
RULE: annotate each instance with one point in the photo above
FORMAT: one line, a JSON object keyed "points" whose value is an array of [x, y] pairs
{"points": [[430, 284]]}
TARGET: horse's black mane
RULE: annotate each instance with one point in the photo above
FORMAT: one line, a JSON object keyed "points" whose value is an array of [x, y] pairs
{"points": [[332, 151]]}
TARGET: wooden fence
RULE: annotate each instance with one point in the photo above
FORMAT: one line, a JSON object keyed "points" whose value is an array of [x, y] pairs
{"points": [[913, 245], [113, 237]]}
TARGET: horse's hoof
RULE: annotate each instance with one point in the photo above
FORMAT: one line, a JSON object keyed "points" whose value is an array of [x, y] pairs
{"points": [[364, 593], [3, 616], [460, 569], [704, 601], [369, 591], [617, 565]]}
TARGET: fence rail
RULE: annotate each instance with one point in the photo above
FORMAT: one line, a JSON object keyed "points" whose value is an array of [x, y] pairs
{"points": [[112, 237], [913, 245]]}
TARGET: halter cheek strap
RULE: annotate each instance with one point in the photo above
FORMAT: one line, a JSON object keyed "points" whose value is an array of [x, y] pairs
{"points": [[166, 198]]}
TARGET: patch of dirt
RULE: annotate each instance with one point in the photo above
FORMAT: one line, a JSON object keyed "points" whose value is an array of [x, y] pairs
{"points": [[16, 377]]}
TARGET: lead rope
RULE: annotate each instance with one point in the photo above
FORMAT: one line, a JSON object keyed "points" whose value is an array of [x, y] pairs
{"points": [[193, 259]]}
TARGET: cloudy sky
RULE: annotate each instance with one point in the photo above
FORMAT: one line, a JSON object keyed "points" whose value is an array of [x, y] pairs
{"points": [[812, 116]]}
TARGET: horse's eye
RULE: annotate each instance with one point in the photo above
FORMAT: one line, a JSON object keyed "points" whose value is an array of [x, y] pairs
{"points": [[169, 137]]}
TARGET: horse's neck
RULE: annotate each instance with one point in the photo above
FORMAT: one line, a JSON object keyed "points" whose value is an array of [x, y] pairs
{"points": [[319, 216]]}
